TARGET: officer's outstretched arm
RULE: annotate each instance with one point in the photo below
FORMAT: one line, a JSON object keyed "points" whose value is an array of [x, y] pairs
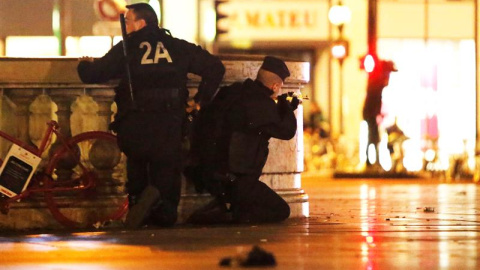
{"points": [[211, 69], [103, 69]]}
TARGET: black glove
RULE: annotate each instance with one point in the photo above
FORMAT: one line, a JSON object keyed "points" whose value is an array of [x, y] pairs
{"points": [[282, 97], [294, 103]]}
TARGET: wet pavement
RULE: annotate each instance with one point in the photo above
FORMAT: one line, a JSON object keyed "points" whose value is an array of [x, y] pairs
{"points": [[353, 224]]}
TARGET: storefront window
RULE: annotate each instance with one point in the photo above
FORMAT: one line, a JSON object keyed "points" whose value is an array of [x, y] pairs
{"points": [[432, 96]]}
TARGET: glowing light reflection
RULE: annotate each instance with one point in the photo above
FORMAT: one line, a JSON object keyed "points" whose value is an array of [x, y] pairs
{"points": [[21, 46], [443, 201], [369, 239], [413, 159], [363, 140], [209, 20], [372, 153], [297, 180], [94, 46], [369, 63], [56, 19], [305, 209], [384, 154], [367, 209], [155, 4]]}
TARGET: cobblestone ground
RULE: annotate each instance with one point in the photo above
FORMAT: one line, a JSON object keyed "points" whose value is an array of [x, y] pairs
{"points": [[353, 224]]}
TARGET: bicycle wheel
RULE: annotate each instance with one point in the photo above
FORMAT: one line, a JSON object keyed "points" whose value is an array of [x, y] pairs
{"points": [[85, 189]]}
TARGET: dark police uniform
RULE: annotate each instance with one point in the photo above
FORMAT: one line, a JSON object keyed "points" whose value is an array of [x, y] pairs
{"points": [[149, 129], [235, 151], [262, 119]]}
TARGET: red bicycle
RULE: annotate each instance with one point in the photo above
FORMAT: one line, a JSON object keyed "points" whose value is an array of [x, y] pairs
{"points": [[77, 179]]}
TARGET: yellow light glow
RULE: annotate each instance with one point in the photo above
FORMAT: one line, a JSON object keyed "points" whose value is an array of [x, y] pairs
{"points": [[384, 154], [21, 46], [56, 19], [94, 46], [363, 140], [242, 44], [429, 155], [209, 26], [339, 51], [2, 47], [372, 153], [155, 4], [177, 24], [305, 209], [339, 15], [117, 39], [369, 239], [413, 159]]}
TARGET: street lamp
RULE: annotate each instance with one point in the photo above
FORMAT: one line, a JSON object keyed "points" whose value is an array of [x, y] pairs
{"points": [[339, 15]]}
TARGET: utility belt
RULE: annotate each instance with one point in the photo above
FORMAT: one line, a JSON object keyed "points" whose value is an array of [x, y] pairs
{"points": [[154, 99], [151, 100]]}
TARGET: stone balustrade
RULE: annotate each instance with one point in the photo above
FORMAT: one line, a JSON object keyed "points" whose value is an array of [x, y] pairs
{"points": [[33, 91]]}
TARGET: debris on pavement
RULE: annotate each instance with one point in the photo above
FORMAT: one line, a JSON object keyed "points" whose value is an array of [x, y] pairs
{"points": [[429, 209], [255, 257]]}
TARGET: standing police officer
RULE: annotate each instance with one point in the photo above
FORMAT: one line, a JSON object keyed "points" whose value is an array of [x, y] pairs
{"points": [[149, 120], [231, 145]]}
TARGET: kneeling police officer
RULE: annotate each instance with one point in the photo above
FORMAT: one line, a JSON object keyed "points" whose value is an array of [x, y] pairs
{"points": [[230, 148], [150, 119]]}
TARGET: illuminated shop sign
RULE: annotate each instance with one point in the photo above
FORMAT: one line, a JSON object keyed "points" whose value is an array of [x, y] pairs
{"points": [[272, 20]]}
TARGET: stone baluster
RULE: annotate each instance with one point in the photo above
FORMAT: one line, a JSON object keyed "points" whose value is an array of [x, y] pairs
{"points": [[22, 98], [104, 98], [6, 124], [42, 110], [64, 98], [84, 115]]}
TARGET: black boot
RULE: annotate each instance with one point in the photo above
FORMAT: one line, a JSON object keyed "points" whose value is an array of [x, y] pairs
{"points": [[141, 209], [215, 212]]}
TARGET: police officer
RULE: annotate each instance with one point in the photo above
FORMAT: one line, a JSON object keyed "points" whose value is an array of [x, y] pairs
{"points": [[234, 151], [149, 120], [372, 107]]}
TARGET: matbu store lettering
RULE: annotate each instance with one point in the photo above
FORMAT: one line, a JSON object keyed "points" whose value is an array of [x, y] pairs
{"points": [[273, 20], [282, 19]]}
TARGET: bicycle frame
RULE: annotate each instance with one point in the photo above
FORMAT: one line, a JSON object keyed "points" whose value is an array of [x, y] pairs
{"points": [[84, 184], [38, 177], [51, 129]]}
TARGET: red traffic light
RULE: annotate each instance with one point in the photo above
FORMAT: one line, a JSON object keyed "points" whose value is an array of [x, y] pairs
{"points": [[368, 63], [371, 63]]}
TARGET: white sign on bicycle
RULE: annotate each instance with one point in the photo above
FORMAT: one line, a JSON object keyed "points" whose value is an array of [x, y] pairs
{"points": [[17, 170]]}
